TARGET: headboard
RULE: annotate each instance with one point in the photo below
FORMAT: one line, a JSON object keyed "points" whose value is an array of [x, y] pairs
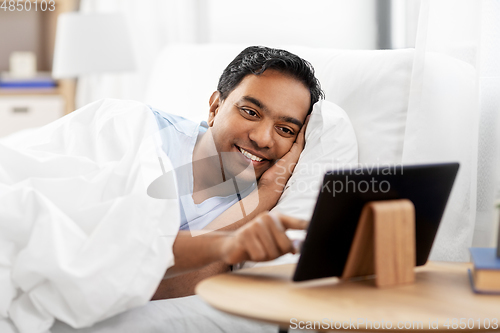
{"points": [[372, 86]]}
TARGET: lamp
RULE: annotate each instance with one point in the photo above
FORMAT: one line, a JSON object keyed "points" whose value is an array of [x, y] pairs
{"points": [[91, 43]]}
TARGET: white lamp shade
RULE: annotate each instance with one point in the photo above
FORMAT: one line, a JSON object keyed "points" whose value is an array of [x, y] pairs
{"points": [[92, 43]]}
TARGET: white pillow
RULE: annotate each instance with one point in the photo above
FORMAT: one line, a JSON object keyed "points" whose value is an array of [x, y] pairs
{"points": [[330, 143], [373, 87]]}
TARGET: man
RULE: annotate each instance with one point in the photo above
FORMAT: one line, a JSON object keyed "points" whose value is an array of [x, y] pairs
{"points": [[82, 240], [257, 118]]}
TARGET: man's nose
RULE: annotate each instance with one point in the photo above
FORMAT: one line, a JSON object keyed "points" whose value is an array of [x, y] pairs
{"points": [[262, 135]]}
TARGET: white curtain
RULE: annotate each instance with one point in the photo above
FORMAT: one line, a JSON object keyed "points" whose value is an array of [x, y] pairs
{"points": [[153, 24], [457, 52]]}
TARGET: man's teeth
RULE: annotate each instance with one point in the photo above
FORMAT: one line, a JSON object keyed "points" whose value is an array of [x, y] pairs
{"points": [[250, 156]]}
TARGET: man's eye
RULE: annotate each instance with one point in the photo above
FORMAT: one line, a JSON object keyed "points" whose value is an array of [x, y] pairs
{"points": [[286, 130], [251, 113]]}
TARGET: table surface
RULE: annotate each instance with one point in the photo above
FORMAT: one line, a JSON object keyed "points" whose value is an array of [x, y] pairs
{"points": [[440, 293]]}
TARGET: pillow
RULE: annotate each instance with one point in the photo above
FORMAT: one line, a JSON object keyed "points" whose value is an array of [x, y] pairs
{"points": [[373, 87], [330, 143]]}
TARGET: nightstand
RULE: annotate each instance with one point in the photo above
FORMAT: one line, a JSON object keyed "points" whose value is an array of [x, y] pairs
{"points": [[440, 300], [20, 110]]}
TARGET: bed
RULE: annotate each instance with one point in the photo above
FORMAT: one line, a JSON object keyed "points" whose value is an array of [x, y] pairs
{"points": [[371, 86], [362, 121]]}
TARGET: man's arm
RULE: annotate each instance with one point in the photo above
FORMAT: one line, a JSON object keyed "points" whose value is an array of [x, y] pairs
{"points": [[264, 198], [183, 285], [262, 239]]}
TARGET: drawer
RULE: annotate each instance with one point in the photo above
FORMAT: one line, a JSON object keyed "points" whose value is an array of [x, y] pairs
{"points": [[21, 112]]}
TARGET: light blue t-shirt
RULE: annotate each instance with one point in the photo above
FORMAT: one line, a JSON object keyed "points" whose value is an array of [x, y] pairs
{"points": [[179, 136]]}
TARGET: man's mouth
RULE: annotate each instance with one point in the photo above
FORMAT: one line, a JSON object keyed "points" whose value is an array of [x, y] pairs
{"points": [[249, 155]]}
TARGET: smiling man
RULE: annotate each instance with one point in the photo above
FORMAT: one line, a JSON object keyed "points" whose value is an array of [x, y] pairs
{"points": [[260, 118], [255, 130], [86, 239]]}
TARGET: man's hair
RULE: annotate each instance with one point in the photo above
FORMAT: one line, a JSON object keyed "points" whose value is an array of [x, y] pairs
{"points": [[256, 59]]}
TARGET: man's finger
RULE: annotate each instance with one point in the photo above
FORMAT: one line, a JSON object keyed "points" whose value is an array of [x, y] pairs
{"points": [[266, 237], [282, 240], [302, 134], [292, 223], [304, 127], [253, 246]]}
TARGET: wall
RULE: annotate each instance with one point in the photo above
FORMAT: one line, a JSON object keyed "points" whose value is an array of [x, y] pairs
{"points": [[318, 23], [18, 32]]}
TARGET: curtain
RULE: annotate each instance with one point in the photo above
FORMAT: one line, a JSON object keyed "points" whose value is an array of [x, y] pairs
{"points": [[153, 24], [456, 54]]}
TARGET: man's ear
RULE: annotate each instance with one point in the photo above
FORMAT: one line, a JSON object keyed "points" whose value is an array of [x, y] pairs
{"points": [[214, 107]]}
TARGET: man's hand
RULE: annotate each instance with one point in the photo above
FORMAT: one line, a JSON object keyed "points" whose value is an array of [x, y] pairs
{"points": [[275, 177], [262, 239]]}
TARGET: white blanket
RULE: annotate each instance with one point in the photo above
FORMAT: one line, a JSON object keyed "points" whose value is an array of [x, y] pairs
{"points": [[80, 239]]}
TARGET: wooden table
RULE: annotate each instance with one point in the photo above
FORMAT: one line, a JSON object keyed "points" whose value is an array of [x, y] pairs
{"points": [[437, 301]]}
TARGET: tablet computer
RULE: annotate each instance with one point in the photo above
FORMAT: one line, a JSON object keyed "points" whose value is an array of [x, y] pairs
{"points": [[342, 197]]}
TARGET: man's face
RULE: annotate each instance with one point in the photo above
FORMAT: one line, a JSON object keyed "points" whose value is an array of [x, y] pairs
{"points": [[258, 121]]}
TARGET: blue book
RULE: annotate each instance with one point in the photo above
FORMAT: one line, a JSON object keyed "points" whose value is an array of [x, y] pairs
{"points": [[27, 84], [40, 80], [485, 277]]}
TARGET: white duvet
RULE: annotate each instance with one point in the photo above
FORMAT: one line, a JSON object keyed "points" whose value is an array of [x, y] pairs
{"points": [[80, 239]]}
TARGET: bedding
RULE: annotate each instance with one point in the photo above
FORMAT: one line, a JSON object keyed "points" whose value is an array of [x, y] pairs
{"points": [[69, 245], [180, 315], [80, 240]]}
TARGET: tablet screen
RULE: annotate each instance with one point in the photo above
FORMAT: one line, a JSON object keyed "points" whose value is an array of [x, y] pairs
{"points": [[343, 196]]}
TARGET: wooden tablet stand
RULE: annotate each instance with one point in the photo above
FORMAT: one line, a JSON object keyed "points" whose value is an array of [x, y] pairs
{"points": [[384, 243]]}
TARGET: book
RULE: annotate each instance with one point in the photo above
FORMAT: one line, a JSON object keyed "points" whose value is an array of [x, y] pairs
{"points": [[485, 276], [41, 80]]}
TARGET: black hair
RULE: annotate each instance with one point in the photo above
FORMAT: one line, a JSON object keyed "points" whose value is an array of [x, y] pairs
{"points": [[256, 59]]}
